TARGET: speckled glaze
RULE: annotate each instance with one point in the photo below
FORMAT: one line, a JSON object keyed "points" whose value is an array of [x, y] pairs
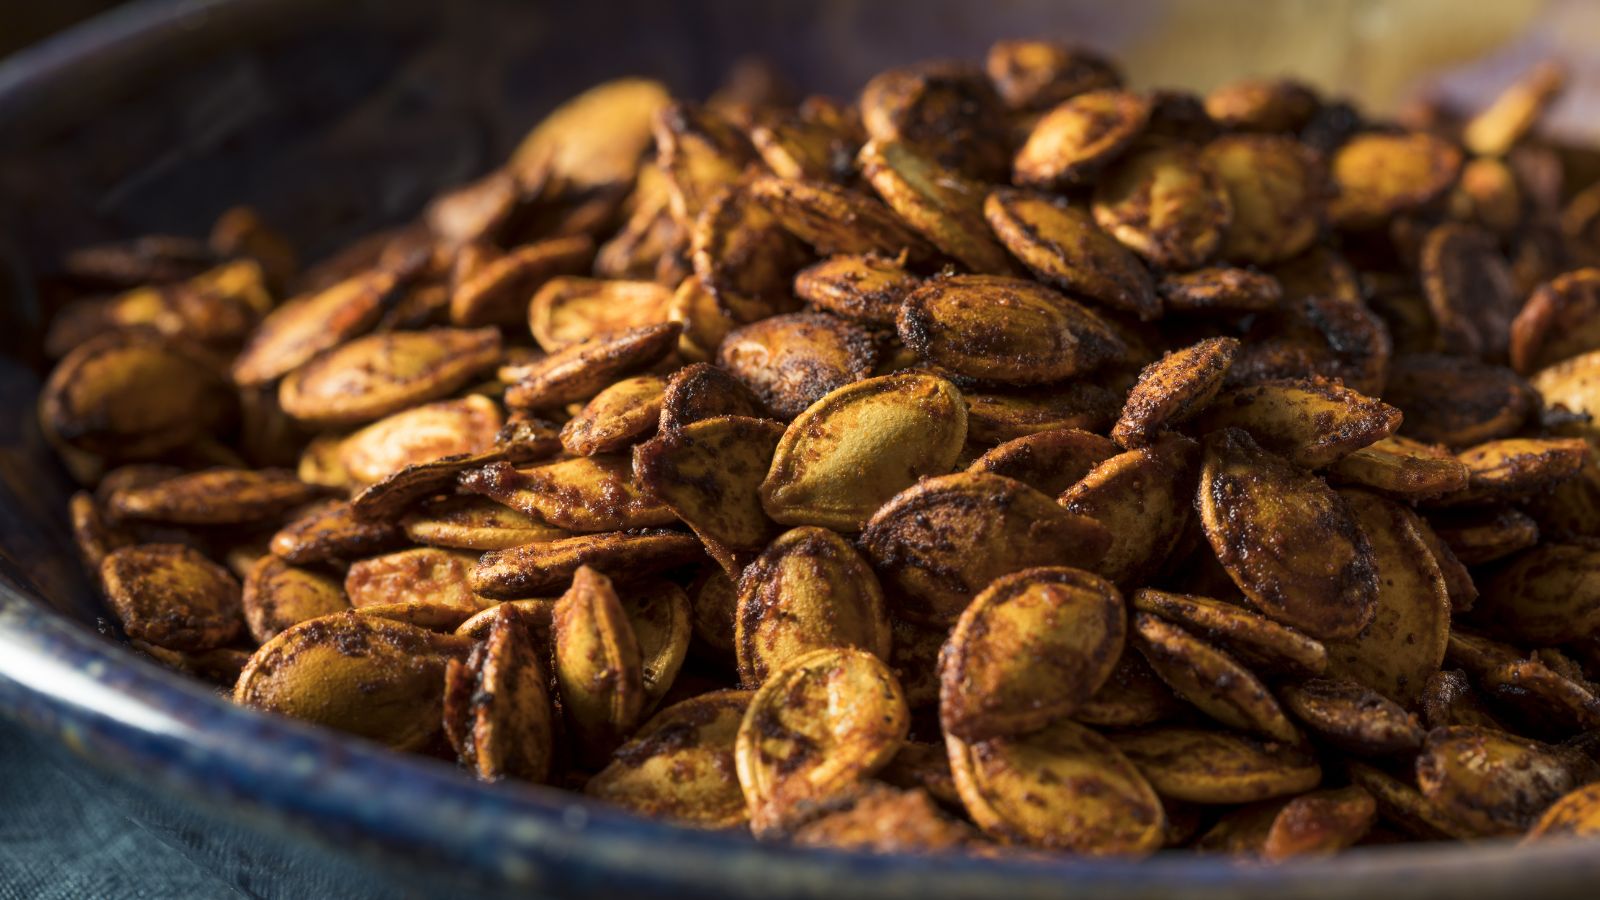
{"points": [[286, 810]]}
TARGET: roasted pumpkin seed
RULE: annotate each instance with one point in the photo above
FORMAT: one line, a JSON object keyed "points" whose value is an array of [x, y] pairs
{"points": [[598, 666], [1494, 130], [370, 676], [1404, 643], [744, 257], [850, 451], [1003, 330], [1173, 389], [1572, 507], [791, 361], [217, 307], [1049, 461], [1491, 783], [617, 416], [1547, 595], [506, 725], [581, 494], [808, 590], [419, 574], [1312, 422], [581, 370], [172, 596], [381, 374], [880, 819], [1075, 140], [132, 395], [420, 435], [567, 311], [1063, 247], [1253, 638], [529, 569], [1513, 468], [1219, 291], [476, 523], [1034, 74], [1377, 175], [680, 764], [435, 615], [939, 203], [714, 599], [538, 613], [701, 152], [1449, 400], [1404, 468], [863, 288], [1317, 335], [835, 219], [1262, 104], [815, 728], [994, 416], [498, 292], [796, 148], [302, 327], [709, 474], [1286, 539], [1143, 498], [1469, 290], [661, 618], [1560, 320], [1213, 766], [1576, 814], [1314, 824], [1274, 185], [1063, 787], [214, 497], [1353, 717], [1210, 679], [702, 391], [937, 544], [1400, 804], [279, 594], [596, 139], [1166, 204], [948, 111], [1028, 650]]}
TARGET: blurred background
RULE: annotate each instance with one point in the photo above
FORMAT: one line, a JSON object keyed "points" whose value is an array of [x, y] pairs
{"points": [[27, 23], [336, 117], [1379, 51]]}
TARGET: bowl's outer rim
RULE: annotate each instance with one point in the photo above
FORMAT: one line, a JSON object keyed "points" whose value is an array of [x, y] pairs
{"points": [[95, 54], [122, 713]]}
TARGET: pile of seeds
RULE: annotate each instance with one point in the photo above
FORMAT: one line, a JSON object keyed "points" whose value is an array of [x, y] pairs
{"points": [[1006, 459]]}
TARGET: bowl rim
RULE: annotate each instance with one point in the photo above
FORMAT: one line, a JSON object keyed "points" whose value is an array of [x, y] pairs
{"points": [[106, 704]]}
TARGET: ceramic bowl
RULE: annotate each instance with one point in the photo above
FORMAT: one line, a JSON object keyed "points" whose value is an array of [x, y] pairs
{"points": [[334, 119]]}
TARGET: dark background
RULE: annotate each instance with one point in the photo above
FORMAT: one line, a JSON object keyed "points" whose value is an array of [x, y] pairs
{"points": [[24, 22]]}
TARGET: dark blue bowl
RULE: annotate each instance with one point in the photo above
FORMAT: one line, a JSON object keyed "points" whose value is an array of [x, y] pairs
{"points": [[334, 122]]}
